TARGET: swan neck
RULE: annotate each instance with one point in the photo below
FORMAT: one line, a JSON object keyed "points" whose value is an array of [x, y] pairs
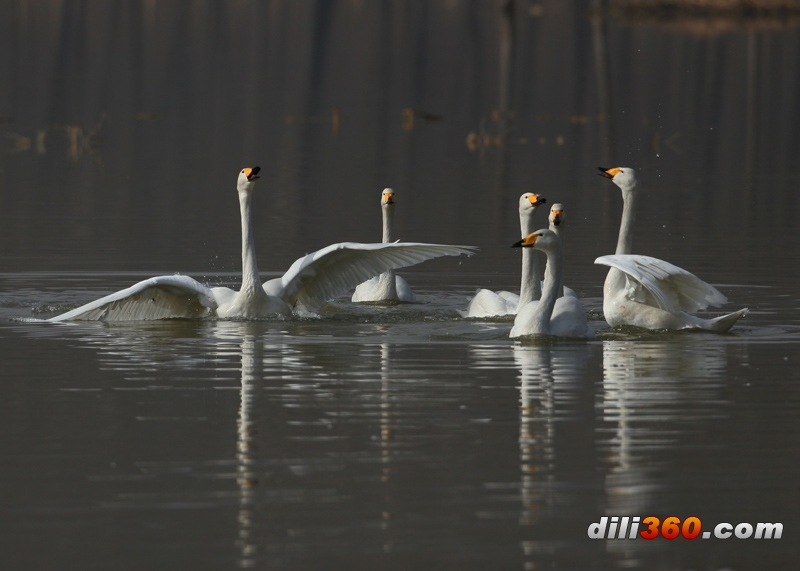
{"points": [[625, 240], [250, 278], [388, 218], [526, 225], [530, 288], [532, 271], [552, 283]]}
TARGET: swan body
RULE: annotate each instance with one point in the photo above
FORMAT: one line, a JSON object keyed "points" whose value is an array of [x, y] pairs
{"points": [[388, 286], [650, 293], [488, 303], [653, 294], [551, 315], [305, 287]]}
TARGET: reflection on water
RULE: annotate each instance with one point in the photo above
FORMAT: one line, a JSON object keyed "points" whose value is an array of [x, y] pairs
{"points": [[548, 378], [305, 441], [650, 389], [247, 450]]}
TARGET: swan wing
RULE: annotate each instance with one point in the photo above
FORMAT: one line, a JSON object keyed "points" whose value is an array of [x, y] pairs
{"points": [[317, 277], [671, 288], [161, 297]]}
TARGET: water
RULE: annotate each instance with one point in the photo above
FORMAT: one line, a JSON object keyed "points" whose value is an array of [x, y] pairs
{"points": [[388, 436]]}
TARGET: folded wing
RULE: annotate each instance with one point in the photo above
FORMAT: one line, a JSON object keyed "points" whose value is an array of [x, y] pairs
{"points": [[669, 287]]}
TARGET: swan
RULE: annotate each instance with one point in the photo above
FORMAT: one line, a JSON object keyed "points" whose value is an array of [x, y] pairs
{"points": [[307, 284], [387, 286], [651, 293], [488, 303], [555, 218], [551, 315], [556, 225]]}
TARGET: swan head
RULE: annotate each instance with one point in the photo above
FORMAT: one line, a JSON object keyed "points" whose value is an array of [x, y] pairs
{"points": [[556, 214], [387, 197], [247, 178], [623, 177], [545, 240], [529, 202]]}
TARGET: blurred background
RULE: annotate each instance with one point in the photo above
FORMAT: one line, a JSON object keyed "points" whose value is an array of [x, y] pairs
{"points": [[123, 125]]}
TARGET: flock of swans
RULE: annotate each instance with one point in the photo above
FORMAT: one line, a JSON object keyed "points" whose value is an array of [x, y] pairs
{"points": [[639, 290]]}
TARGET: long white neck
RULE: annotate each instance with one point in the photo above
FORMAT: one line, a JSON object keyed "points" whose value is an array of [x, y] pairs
{"points": [[530, 288], [625, 240], [250, 280], [558, 231], [387, 284], [552, 284], [388, 218]]}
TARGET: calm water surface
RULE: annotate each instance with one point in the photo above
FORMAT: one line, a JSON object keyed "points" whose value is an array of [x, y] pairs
{"points": [[399, 436]]}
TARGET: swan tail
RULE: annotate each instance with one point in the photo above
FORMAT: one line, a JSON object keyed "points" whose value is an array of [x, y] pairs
{"points": [[723, 323]]}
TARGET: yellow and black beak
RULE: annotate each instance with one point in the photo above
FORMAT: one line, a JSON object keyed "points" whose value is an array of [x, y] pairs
{"points": [[388, 197], [608, 173], [252, 173], [537, 200], [526, 242], [556, 217]]}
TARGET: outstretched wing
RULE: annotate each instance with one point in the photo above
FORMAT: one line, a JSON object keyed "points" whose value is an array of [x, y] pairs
{"points": [[672, 288], [161, 297], [314, 279]]}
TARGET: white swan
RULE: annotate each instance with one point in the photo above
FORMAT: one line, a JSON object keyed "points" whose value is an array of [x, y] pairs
{"points": [[551, 315], [651, 293], [488, 303], [556, 220], [310, 281], [387, 286]]}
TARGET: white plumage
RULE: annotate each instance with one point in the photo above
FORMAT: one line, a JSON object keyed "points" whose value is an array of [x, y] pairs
{"points": [[388, 286], [488, 303], [306, 286], [551, 315], [651, 293]]}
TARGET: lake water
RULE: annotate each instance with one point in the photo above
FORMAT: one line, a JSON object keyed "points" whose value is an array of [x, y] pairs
{"points": [[399, 436]]}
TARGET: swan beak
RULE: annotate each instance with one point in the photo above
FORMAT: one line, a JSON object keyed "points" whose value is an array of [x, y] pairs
{"points": [[526, 242], [608, 173], [252, 173], [556, 217], [388, 197], [537, 200]]}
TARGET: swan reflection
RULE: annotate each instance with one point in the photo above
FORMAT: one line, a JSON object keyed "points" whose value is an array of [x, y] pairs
{"points": [[247, 449], [649, 387], [551, 378]]}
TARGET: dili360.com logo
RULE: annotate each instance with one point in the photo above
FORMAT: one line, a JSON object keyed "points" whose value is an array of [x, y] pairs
{"points": [[627, 527]]}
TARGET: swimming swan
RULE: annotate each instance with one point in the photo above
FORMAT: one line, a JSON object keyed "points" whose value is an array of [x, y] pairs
{"points": [[651, 293], [488, 303], [551, 315], [310, 281], [387, 286], [556, 220]]}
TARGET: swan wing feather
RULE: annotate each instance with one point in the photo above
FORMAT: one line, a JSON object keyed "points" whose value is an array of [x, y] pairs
{"points": [[160, 297], [673, 289], [322, 275]]}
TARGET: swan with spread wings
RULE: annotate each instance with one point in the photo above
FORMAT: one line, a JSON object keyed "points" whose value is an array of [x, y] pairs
{"points": [[304, 288]]}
